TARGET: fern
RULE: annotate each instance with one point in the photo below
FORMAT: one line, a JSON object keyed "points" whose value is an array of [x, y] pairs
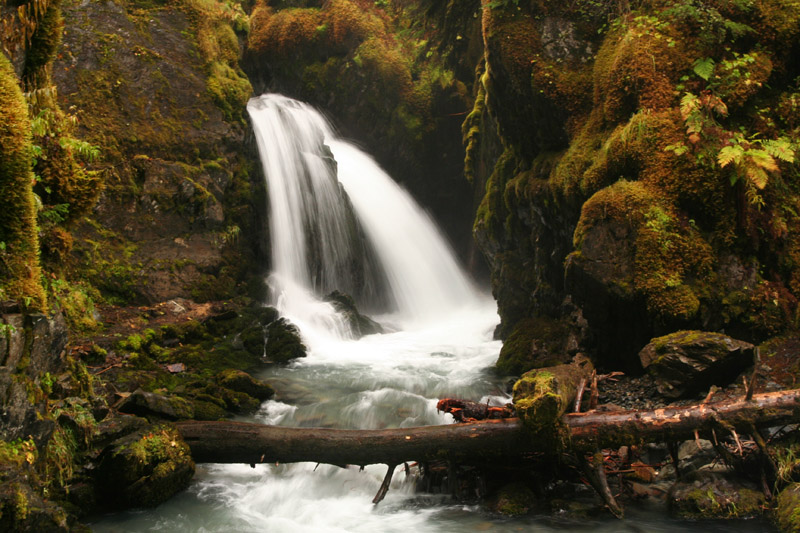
{"points": [[84, 150], [704, 67]]}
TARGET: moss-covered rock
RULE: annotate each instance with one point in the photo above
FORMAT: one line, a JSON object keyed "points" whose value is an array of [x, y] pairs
{"points": [[239, 381], [689, 362], [20, 274], [152, 405], [144, 469], [715, 496], [787, 513], [515, 499], [283, 342], [538, 343]]}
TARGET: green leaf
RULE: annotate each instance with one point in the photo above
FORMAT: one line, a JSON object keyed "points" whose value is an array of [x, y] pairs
{"points": [[729, 154], [780, 148], [762, 159], [704, 67]]}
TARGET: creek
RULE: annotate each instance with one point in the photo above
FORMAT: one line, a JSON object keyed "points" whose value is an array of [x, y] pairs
{"points": [[339, 222]]}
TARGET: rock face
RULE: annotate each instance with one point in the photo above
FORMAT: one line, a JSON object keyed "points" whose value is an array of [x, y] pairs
{"points": [[596, 192], [149, 86], [31, 347], [689, 362]]}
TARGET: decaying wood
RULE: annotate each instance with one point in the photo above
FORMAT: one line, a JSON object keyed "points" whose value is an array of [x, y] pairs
{"points": [[240, 442], [384, 488], [595, 471]]}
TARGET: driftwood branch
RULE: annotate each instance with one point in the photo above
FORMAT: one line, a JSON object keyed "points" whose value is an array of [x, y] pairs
{"points": [[240, 442]]}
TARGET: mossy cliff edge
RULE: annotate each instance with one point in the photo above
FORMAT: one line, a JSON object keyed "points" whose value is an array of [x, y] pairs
{"points": [[645, 179]]}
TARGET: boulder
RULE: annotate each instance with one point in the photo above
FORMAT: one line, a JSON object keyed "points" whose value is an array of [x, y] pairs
{"points": [[786, 514], [144, 468], [689, 362], [239, 381], [359, 324], [712, 495], [283, 342], [150, 404]]}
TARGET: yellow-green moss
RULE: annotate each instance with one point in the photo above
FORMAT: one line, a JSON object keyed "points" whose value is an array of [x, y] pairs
{"points": [[787, 513], [20, 275], [43, 46], [669, 255]]}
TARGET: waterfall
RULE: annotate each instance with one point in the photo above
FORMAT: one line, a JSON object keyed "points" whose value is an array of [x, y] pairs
{"points": [[338, 221]]}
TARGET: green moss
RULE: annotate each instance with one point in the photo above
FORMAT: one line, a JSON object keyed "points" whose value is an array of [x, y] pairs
{"points": [[43, 46], [787, 513], [20, 275], [542, 396], [533, 343]]}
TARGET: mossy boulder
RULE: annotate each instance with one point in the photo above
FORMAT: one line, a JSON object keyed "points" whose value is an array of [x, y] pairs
{"points": [[239, 381], [144, 469], [787, 513], [711, 495], [685, 363], [515, 499], [157, 406], [283, 342], [537, 343], [24, 510]]}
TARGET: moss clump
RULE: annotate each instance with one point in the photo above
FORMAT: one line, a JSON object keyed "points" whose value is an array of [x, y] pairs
{"points": [[145, 468], [515, 499], [534, 343], [787, 513], [668, 255], [541, 396], [43, 46], [20, 273]]}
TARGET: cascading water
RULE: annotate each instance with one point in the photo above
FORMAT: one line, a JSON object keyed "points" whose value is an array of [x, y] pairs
{"points": [[367, 238], [375, 243]]}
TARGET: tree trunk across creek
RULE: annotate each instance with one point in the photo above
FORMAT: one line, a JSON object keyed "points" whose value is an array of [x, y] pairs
{"points": [[249, 443]]}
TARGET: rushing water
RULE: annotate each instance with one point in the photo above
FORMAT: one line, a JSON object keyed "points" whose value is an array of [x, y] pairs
{"points": [[348, 226]]}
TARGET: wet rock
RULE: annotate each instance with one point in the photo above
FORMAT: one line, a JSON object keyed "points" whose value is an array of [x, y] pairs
{"points": [[205, 410], [359, 324], [23, 510], [115, 427], [713, 495], [239, 381], [150, 404], [513, 500], [787, 514], [144, 468], [539, 342], [688, 362], [283, 342]]}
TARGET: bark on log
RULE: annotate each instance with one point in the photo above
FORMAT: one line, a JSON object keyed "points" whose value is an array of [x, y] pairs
{"points": [[240, 442]]}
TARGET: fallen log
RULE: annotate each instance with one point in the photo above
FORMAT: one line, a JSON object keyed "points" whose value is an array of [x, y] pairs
{"points": [[240, 442]]}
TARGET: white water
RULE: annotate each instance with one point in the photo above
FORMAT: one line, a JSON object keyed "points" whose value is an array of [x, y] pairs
{"points": [[442, 346]]}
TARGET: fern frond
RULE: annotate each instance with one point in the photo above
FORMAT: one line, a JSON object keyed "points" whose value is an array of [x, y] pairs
{"points": [[730, 154]]}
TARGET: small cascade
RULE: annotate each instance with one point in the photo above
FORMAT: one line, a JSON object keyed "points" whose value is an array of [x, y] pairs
{"points": [[338, 221]]}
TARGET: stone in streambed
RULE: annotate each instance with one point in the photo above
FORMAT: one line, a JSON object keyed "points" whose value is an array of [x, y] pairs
{"points": [[685, 363], [714, 495], [144, 469], [239, 381], [152, 405], [360, 324], [787, 514]]}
